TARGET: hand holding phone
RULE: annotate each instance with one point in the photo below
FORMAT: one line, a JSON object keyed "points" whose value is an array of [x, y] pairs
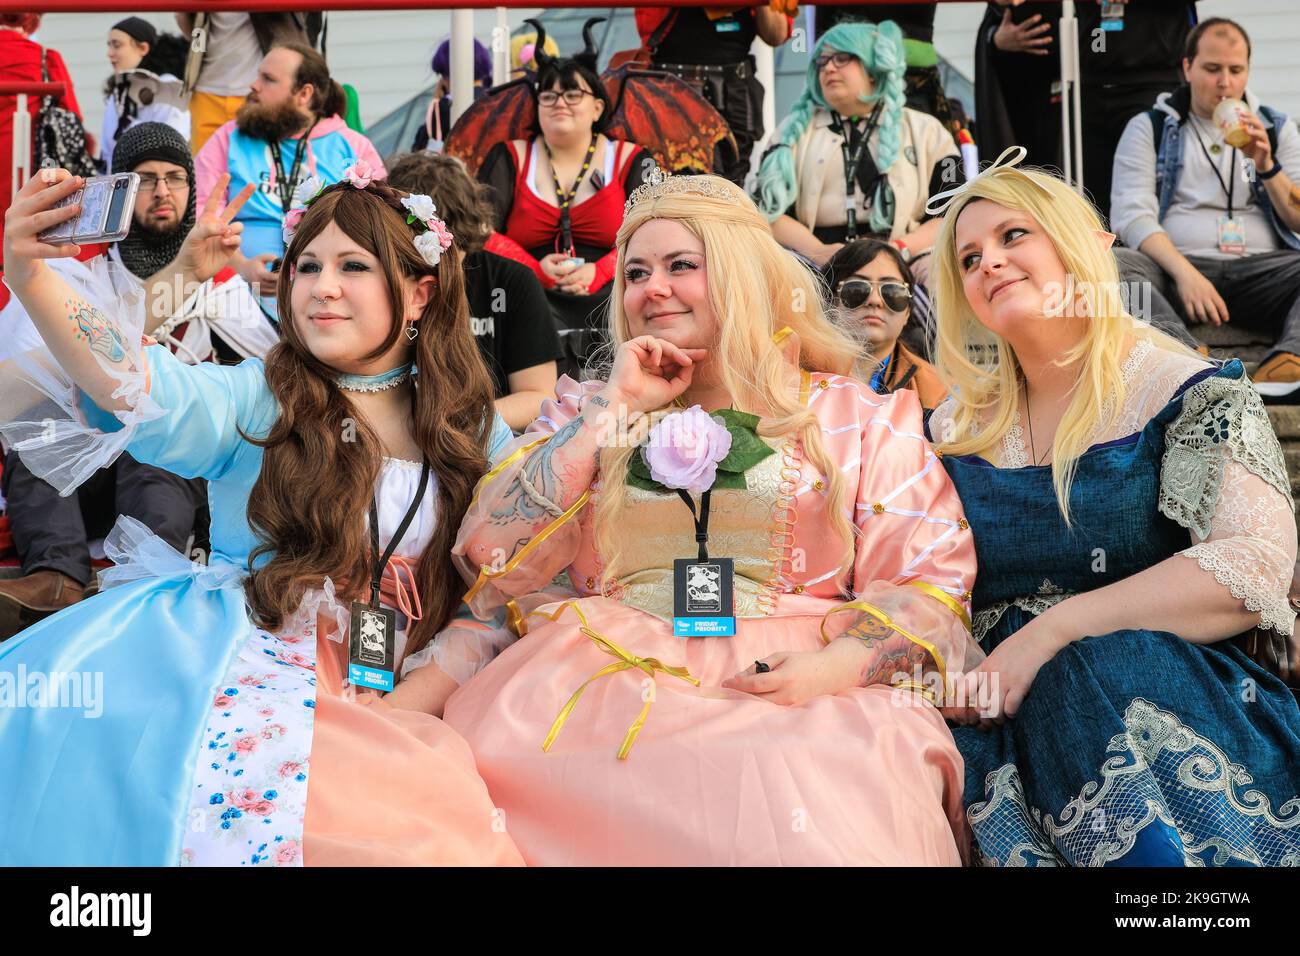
{"points": [[32, 212], [107, 205]]}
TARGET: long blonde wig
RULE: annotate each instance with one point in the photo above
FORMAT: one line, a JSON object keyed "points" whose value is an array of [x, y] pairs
{"points": [[981, 368], [756, 289]]}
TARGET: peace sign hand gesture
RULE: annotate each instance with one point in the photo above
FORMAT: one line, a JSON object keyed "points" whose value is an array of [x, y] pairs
{"points": [[215, 237]]}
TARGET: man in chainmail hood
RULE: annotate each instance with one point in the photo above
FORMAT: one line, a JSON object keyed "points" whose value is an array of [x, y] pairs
{"points": [[164, 206]]}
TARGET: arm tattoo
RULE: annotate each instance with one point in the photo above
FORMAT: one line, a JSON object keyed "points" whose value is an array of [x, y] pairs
{"points": [[894, 654], [1294, 197], [540, 472], [94, 328]]}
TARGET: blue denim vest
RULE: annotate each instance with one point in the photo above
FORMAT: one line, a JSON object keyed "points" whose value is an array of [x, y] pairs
{"points": [[1169, 165]]}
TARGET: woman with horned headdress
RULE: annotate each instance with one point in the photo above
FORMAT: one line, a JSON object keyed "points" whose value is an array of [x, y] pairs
{"points": [[560, 193], [1131, 513], [770, 565]]}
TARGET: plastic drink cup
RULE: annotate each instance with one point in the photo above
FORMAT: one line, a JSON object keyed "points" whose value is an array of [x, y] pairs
{"points": [[1229, 117]]}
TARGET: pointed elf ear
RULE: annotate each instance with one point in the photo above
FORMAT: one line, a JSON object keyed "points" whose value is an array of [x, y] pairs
{"points": [[1107, 239]]}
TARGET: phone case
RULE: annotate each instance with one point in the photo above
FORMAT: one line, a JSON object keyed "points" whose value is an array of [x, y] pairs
{"points": [[107, 210]]}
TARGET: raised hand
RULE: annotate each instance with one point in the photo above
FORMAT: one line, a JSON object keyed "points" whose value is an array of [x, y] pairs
{"points": [[649, 373], [30, 214], [215, 237]]}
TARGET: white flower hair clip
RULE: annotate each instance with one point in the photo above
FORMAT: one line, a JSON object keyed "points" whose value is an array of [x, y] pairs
{"points": [[940, 201], [436, 237]]}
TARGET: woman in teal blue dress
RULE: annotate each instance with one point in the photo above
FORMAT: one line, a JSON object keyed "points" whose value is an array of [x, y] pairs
{"points": [[199, 714], [1131, 513]]}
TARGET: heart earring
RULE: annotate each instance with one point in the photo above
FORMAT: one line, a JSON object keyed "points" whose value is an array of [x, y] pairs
{"points": [[411, 332]]}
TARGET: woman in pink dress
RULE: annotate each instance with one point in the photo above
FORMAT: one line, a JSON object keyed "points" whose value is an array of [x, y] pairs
{"points": [[811, 735]]}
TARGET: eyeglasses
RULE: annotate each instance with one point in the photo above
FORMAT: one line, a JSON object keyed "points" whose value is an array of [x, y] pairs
{"points": [[175, 182], [571, 97], [841, 60], [854, 293]]}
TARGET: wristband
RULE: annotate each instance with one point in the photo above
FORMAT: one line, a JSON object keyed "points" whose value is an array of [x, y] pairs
{"points": [[902, 248], [1277, 168]]}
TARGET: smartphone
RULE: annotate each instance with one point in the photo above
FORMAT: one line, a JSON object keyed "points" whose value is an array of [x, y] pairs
{"points": [[107, 208]]}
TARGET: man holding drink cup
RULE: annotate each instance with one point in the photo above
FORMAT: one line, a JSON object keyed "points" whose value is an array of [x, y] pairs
{"points": [[1204, 199]]}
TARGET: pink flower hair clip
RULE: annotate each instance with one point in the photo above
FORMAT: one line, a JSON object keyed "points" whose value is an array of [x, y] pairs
{"points": [[435, 238], [360, 174]]}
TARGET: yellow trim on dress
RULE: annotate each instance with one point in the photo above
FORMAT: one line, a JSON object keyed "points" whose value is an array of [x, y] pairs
{"points": [[485, 575], [885, 619], [625, 662], [515, 620], [504, 464], [944, 598]]}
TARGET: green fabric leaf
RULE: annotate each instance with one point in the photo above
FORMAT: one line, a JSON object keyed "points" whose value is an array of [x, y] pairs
{"points": [[735, 419], [747, 450], [646, 484], [636, 465]]}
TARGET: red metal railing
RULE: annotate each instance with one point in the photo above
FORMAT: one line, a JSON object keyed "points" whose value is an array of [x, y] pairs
{"points": [[269, 6]]}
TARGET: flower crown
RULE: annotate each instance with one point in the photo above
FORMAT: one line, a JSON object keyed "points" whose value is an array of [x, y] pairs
{"points": [[659, 183], [432, 239]]}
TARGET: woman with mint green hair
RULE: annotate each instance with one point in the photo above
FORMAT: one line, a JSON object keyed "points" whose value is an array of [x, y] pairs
{"points": [[851, 160]]}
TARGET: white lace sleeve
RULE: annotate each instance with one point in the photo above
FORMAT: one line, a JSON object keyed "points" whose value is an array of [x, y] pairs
{"points": [[1224, 479], [61, 436]]}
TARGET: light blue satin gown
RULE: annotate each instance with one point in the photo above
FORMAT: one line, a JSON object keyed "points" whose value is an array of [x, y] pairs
{"points": [[112, 789]]}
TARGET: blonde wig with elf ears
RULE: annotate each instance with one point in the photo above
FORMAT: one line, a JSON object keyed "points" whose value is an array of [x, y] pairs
{"points": [[981, 368], [756, 289]]}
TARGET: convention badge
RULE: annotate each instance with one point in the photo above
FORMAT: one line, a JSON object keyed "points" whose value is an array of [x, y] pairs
{"points": [[1112, 16], [370, 639], [728, 24], [1232, 234], [703, 598]]}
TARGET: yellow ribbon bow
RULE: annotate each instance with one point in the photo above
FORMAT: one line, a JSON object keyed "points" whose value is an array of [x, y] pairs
{"points": [[625, 662]]}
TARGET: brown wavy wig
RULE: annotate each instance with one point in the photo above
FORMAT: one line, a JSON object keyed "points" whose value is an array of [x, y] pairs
{"points": [[310, 503]]}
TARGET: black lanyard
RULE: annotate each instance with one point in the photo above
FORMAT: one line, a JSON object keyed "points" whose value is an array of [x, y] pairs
{"points": [[377, 575], [852, 157], [565, 199], [702, 522], [1231, 185], [286, 185]]}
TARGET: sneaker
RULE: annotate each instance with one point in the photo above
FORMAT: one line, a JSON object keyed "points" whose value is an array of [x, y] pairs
{"points": [[1278, 379]]}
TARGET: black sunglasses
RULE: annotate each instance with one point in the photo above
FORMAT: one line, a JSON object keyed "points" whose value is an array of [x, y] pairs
{"points": [[854, 293]]}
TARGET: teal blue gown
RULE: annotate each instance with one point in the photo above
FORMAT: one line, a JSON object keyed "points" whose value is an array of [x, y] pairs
{"points": [[1134, 748]]}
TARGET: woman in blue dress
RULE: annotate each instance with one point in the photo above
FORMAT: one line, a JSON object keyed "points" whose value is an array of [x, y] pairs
{"points": [[1131, 514], [202, 714]]}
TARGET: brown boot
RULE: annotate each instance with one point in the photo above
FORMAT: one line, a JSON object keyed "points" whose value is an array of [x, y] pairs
{"points": [[25, 600]]}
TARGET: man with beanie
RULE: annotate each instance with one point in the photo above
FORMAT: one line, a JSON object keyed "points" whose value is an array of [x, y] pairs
{"points": [[52, 534], [289, 129]]}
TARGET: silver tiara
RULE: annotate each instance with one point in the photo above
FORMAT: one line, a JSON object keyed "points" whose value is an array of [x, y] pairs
{"points": [[659, 183]]}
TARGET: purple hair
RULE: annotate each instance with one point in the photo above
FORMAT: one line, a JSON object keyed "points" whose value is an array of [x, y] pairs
{"points": [[482, 61]]}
